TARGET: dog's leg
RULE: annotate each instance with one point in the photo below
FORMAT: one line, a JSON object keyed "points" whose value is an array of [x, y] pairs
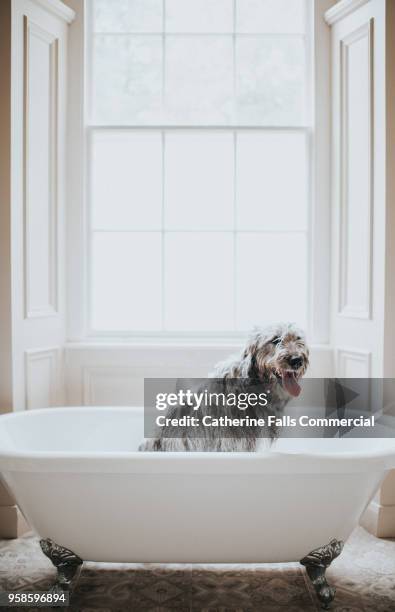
{"points": [[67, 563], [316, 564]]}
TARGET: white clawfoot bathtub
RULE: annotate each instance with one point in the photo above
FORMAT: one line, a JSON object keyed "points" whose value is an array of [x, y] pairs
{"points": [[78, 480]]}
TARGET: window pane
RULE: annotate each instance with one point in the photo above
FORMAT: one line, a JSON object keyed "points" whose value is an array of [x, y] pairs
{"points": [[127, 78], [199, 16], [270, 77], [126, 281], [198, 281], [271, 16], [126, 180], [271, 279], [271, 181], [129, 72], [199, 79], [199, 181], [127, 15]]}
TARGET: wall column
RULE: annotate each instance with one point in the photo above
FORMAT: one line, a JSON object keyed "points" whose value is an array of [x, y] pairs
{"points": [[33, 66], [363, 196]]}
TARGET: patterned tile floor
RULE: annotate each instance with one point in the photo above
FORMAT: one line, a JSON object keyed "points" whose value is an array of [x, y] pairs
{"points": [[364, 576]]}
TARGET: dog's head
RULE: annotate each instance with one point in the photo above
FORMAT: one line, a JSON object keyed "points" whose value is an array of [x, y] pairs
{"points": [[279, 351]]}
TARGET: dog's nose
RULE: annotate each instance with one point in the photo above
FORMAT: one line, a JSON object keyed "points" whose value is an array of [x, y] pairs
{"points": [[295, 361]]}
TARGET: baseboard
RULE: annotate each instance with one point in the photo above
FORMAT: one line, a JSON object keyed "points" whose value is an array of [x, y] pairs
{"points": [[12, 522], [379, 520]]}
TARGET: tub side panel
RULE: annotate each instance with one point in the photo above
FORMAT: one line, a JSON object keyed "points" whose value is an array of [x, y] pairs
{"points": [[193, 518]]}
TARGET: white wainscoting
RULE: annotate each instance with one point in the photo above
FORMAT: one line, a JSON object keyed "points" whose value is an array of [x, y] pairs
{"points": [[37, 128], [44, 377], [114, 374], [353, 363], [358, 187]]}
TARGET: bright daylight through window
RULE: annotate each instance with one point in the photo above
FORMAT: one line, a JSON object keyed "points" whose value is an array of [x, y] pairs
{"points": [[199, 140]]}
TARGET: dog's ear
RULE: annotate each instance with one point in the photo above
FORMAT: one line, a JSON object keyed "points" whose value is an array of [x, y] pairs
{"points": [[247, 363], [251, 346]]}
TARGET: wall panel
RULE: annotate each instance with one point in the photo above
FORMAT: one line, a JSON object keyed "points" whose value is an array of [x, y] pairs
{"points": [[353, 363], [43, 377], [356, 172], [40, 164]]}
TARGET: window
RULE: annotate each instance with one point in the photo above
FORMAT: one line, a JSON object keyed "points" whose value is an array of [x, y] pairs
{"points": [[199, 146]]}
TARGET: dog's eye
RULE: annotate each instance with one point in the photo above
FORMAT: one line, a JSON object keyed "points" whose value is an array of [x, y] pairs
{"points": [[276, 340]]}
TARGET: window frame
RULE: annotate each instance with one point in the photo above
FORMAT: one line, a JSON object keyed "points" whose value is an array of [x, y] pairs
{"points": [[78, 230]]}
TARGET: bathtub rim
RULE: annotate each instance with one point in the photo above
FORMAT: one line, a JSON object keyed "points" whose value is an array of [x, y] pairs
{"points": [[266, 461]]}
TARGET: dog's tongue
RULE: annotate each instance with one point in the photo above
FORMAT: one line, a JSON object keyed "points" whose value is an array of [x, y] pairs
{"points": [[291, 384]]}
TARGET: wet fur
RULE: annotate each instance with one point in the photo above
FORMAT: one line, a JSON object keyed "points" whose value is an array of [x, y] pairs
{"points": [[262, 361]]}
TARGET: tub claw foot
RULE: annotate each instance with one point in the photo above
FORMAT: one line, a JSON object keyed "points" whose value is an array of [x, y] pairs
{"points": [[67, 563], [316, 564]]}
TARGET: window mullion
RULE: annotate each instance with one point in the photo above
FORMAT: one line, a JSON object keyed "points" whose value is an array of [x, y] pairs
{"points": [[163, 233]]}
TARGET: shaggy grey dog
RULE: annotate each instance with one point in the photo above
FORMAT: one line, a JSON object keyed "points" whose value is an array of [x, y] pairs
{"points": [[275, 358]]}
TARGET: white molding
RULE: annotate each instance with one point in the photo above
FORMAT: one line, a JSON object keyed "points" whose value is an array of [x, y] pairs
{"points": [[51, 355], [320, 179], [360, 356], [112, 374], [51, 309], [118, 385], [365, 312], [58, 9], [342, 9], [75, 174]]}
